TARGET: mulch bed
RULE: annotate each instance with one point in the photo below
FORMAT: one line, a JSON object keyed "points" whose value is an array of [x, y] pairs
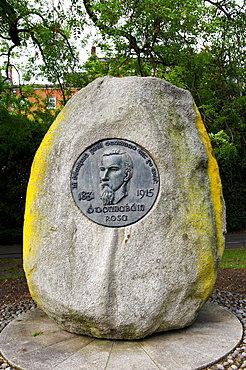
{"points": [[14, 290], [232, 280]]}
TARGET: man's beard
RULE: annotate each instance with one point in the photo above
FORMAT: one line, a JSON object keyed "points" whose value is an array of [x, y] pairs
{"points": [[107, 194]]}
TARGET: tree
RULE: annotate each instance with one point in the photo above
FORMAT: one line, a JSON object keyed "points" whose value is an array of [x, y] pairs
{"points": [[20, 137], [43, 30], [199, 45]]}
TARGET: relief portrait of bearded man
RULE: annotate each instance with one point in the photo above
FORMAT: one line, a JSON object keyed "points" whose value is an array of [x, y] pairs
{"points": [[116, 170]]}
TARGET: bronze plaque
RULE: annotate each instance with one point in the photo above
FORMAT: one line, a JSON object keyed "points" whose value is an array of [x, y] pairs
{"points": [[115, 182]]}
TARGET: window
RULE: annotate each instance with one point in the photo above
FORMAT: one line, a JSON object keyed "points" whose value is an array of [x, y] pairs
{"points": [[51, 102]]}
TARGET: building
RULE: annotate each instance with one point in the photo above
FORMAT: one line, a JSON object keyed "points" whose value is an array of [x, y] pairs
{"points": [[48, 96]]}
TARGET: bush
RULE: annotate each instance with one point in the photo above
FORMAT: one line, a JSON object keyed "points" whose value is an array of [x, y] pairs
{"points": [[20, 137], [230, 157]]}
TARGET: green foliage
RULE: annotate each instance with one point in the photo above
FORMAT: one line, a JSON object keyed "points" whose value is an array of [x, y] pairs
{"points": [[225, 152], [231, 161], [235, 195], [37, 334], [95, 67], [234, 258], [41, 32], [20, 137], [197, 45]]}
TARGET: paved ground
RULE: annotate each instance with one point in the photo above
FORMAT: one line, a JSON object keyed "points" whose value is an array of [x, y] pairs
{"points": [[233, 241], [11, 251], [35, 339]]}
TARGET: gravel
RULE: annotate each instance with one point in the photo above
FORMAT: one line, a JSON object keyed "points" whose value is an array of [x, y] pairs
{"points": [[236, 303], [8, 313]]}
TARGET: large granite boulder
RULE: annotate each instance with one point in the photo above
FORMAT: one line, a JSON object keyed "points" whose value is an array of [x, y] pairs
{"points": [[124, 216]]}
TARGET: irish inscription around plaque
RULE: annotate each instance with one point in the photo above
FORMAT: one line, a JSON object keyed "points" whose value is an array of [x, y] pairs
{"points": [[115, 182]]}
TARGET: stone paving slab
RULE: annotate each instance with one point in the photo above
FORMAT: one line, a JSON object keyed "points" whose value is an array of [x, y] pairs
{"points": [[34, 342]]}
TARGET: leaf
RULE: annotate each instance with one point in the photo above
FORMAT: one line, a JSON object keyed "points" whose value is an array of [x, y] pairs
{"points": [[37, 334]]}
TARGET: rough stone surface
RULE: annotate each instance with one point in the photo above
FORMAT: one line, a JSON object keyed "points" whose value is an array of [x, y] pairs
{"points": [[151, 276]]}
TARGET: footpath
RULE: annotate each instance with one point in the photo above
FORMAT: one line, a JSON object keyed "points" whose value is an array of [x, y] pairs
{"points": [[232, 241]]}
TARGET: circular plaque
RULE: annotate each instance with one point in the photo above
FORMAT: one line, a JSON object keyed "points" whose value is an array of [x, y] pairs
{"points": [[114, 182]]}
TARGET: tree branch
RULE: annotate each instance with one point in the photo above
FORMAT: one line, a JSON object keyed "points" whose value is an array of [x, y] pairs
{"points": [[35, 40], [69, 46], [10, 17], [132, 40], [8, 62], [5, 38], [90, 12], [220, 7]]}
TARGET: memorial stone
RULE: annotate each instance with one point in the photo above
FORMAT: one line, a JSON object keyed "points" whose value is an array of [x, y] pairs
{"points": [[124, 216]]}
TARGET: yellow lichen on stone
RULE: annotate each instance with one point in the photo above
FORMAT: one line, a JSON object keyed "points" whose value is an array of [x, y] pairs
{"points": [[207, 274], [215, 183], [206, 261], [197, 220], [32, 232]]}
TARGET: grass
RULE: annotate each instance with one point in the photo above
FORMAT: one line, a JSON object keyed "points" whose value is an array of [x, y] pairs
{"points": [[234, 259], [12, 277], [11, 268]]}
